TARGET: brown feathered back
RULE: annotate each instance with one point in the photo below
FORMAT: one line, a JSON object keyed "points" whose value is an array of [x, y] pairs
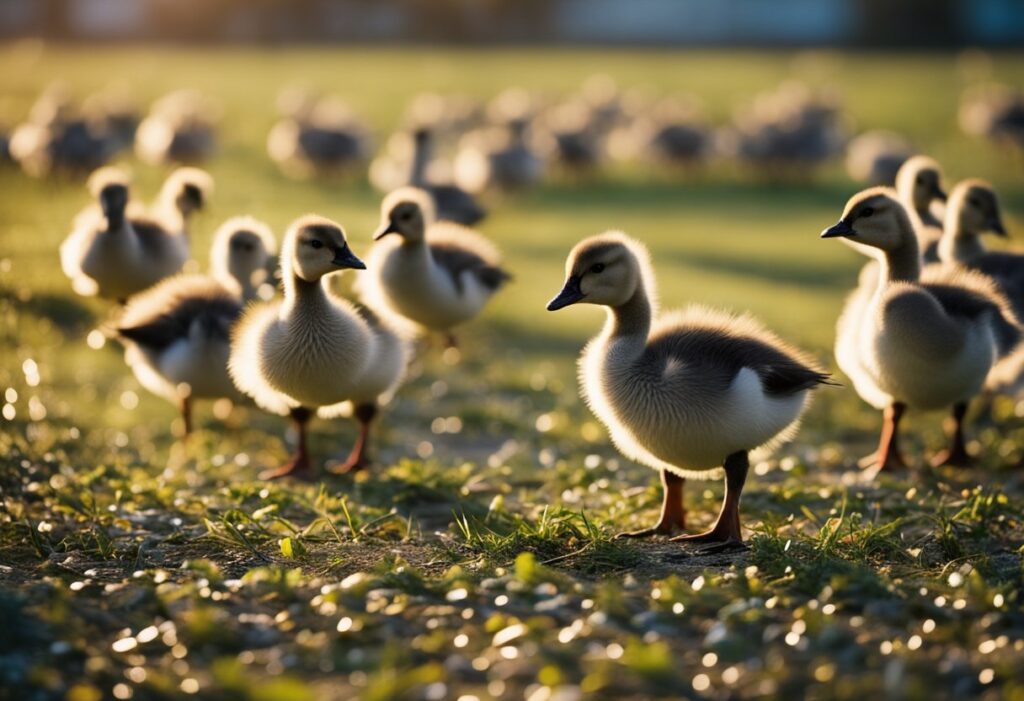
{"points": [[165, 313]]}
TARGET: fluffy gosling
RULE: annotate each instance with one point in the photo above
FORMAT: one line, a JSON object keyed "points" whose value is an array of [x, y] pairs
{"points": [[177, 333], [112, 255], [311, 349], [920, 342], [684, 392], [919, 186], [430, 276]]}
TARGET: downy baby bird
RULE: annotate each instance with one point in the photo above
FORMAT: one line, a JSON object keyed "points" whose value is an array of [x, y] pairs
{"points": [[311, 349], [973, 210], [451, 202], [919, 341], [113, 255], [683, 392], [185, 192], [177, 334], [919, 185], [429, 275]]}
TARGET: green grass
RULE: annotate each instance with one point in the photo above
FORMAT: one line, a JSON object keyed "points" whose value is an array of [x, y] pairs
{"points": [[481, 561]]}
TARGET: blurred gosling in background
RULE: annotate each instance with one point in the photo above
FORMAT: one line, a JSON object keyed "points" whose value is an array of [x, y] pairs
{"points": [[177, 334], [919, 186], [114, 256], [923, 342], [427, 275]]}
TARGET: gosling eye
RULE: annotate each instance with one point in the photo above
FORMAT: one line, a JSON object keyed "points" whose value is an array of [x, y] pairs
{"points": [[974, 202], [597, 268], [316, 243], [920, 180], [405, 216]]}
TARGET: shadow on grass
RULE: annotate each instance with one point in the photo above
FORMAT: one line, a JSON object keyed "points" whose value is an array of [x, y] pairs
{"points": [[65, 312], [701, 193], [793, 272]]}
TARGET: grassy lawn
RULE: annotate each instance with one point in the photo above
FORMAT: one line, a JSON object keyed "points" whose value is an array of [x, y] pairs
{"points": [[477, 560]]}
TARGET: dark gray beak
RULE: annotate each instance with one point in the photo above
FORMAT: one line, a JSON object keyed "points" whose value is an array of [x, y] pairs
{"points": [[570, 294], [996, 225], [840, 229], [345, 258], [938, 193], [388, 228]]}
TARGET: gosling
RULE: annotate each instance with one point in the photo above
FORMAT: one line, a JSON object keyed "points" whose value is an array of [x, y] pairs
{"points": [[919, 185], [177, 333], [309, 350], [184, 192], [435, 275], [684, 392], [114, 256], [972, 212], [920, 342]]}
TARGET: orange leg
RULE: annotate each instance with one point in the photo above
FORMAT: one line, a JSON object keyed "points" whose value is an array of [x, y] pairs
{"points": [[888, 456], [298, 465], [186, 418], [358, 458], [956, 454], [673, 514], [726, 533]]}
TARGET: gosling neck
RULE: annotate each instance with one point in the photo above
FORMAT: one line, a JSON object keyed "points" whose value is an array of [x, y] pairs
{"points": [[116, 221], [303, 297], [925, 215], [632, 319], [902, 263], [247, 291], [417, 243], [239, 280], [420, 160], [958, 244]]}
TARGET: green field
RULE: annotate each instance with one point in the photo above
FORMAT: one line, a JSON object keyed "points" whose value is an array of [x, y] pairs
{"points": [[477, 560]]}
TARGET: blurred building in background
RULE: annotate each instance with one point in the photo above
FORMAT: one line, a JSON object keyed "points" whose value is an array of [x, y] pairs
{"points": [[882, 23]]}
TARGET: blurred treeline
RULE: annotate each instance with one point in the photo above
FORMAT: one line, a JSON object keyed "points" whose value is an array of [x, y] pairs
{"points": [[866, 23]]}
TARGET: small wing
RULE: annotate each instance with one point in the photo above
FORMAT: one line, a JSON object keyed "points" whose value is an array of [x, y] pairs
{"points": [[163, 314], [729, 343], [968, 294], [456, 261], [1007, 270], [456, 205], [458, 250], [153, 237]]}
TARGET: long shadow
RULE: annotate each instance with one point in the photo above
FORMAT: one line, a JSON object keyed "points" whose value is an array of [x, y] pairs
{"points": [[535, 341], [66, 312], [791, 272], [697, 194]]}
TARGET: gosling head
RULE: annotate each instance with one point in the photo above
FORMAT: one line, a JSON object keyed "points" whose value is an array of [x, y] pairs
{"points": [[919, 181], [188, 188], [316, 246], [873, 218], [241, 249], [407, 212], [421, 136], [976, 208], [606, 269], [110, 187]]}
